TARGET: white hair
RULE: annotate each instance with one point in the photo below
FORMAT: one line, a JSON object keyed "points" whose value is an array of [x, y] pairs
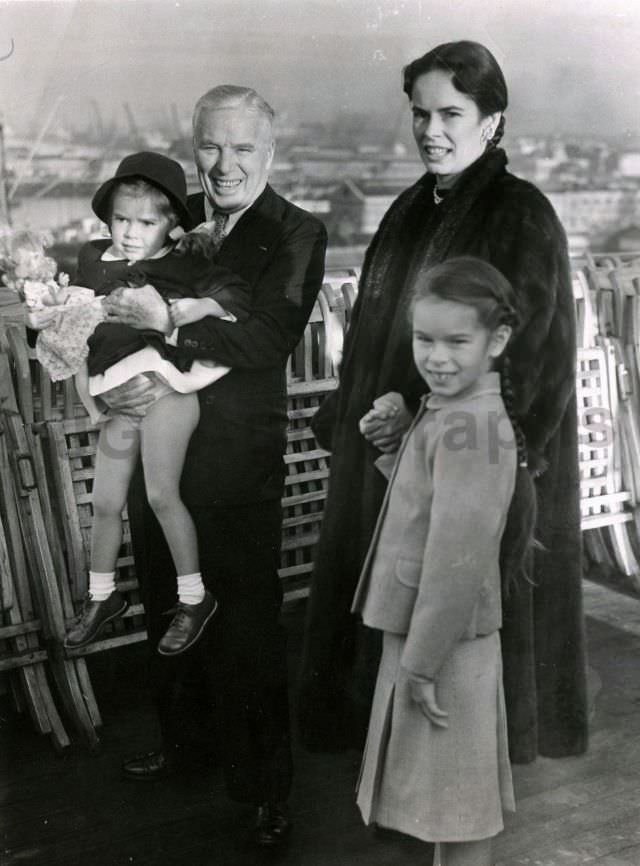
{"points": [[232, 94]]}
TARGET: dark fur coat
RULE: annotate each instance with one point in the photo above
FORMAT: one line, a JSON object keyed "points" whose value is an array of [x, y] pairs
{"points": [[491, 214]]}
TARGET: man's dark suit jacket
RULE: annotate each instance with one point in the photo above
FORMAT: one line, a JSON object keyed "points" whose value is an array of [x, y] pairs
{"points": [[235, 455]]}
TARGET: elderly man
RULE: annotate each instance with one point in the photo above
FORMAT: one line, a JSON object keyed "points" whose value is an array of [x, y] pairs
{"points": [[234, 473]]}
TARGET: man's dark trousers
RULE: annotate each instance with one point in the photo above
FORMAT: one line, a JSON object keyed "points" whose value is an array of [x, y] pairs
{"points": [[228, 694]]}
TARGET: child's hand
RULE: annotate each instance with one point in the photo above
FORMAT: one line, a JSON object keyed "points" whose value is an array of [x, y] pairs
{"points": [[424, 694], [384, 408], [41, 318], [389, 405], [386, 423], [184, 311]]}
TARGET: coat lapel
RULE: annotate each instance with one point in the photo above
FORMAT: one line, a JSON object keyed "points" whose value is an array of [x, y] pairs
{"points": [[249, 245], [365, 573]]}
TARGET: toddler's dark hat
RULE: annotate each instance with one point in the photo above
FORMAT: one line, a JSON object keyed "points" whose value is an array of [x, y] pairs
{"points": [[162, 172]]}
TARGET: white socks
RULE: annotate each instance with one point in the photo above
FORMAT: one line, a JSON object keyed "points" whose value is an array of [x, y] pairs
{"points": [[101, 584], [190, 588]]}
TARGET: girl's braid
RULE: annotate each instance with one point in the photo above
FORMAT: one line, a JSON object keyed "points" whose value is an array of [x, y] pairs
{"points": [[508, 395]]}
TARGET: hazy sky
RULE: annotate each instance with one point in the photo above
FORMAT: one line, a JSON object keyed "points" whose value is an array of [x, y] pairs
{"points": [[571, 65]]}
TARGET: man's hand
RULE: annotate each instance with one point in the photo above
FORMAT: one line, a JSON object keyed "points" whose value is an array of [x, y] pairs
{"points": [[424, 694], [141, 308], [131, 398], [388, 421]]}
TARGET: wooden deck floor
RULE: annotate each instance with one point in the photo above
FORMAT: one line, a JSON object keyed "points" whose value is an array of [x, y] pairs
{"points": [[74, 810]]}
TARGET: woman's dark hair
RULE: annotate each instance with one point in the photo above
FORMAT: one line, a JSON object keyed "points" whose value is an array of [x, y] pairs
{"points": [[474, 72], [476, 283]]}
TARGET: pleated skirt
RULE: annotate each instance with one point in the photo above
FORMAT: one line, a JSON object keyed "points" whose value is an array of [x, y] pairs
{"points": [[437, 784]]}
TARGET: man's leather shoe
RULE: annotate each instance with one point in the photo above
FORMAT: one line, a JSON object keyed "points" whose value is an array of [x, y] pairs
{"points": [[187, 625], [272, 825], [146, 767], [93, 617]]}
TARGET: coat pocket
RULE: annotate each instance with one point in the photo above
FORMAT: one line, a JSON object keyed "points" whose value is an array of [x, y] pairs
{"points": [[408, 572]]}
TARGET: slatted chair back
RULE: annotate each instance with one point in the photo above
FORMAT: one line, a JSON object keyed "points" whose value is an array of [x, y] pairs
{"points": [[344, 284], [73, 446], [607, 261], [313, 374], [606, 506], [618, 313], [306, 482], [39, 398]]}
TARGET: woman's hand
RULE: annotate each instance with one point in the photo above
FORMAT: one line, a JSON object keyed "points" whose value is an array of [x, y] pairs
{"points": [[130, 398], [141, 308], [386, 423], [423, 693]]}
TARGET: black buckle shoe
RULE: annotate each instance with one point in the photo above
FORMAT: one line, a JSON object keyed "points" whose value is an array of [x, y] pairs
{"points": [[272, 825], [146, 767], [93, 617], [187, 625]]}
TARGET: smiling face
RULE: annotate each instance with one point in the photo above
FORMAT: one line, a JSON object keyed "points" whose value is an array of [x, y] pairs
{"points": [[139, 227], [447, 125], [233, 147], [452, 349]]}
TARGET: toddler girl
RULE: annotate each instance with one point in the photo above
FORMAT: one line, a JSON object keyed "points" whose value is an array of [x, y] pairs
{"points": [[436, 763], [143, 204]]}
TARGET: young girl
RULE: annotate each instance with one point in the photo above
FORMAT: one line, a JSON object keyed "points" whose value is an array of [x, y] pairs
{"points": [[142, 205], [436, 763]]}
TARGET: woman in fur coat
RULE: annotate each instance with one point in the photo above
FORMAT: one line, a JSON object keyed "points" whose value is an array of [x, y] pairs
{"points": [[467, 203]]}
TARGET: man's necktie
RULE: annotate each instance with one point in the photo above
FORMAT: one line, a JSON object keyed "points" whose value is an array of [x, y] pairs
{"points": [[219, 222]]}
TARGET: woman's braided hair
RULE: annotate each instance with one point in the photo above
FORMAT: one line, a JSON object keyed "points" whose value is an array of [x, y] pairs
{"points": [[473, 282]]}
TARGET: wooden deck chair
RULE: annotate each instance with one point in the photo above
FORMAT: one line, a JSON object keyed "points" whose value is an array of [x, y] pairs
{"points": [[26, 650], [618, 314], [626, 283], [611, 304], [24, 653], [72, 681], [604, 502], [62, 448], [39, 399], [307, 465]]}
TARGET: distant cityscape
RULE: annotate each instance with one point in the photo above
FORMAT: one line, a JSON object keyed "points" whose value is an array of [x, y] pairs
{"points": [[347, 173]]}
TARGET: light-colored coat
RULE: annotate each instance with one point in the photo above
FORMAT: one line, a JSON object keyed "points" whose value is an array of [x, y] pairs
{"points": [[432, 570]]}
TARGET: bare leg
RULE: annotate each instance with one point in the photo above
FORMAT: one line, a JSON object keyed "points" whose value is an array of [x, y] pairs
{"points": [[466, 853], [118, 447], [165, 433]]}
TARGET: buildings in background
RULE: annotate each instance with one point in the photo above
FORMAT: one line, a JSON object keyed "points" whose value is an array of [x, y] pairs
{"points": [[594, 185]]}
